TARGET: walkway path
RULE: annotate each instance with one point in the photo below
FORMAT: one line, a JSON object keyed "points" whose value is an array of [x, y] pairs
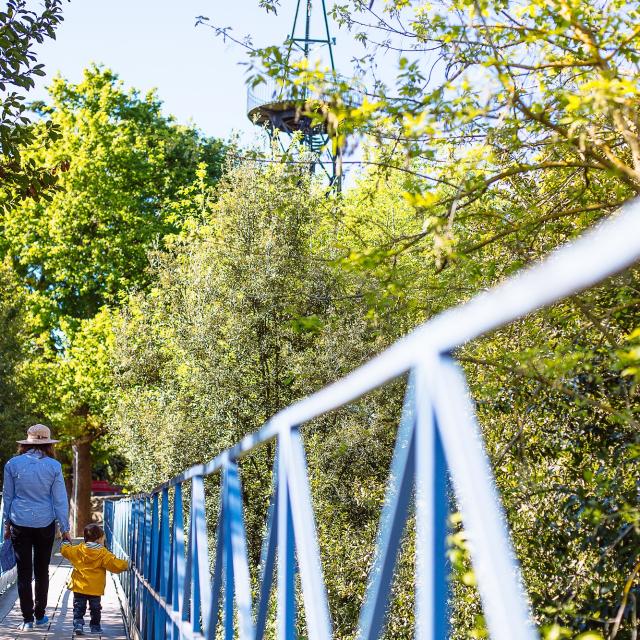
{"points": [[60, 610]]}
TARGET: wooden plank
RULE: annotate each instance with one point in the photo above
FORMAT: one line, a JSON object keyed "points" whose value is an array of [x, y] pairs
{"points": [[60, 610], [112, 622], [58, 576]]}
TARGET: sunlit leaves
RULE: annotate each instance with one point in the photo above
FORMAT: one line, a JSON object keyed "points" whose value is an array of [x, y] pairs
{"points": [[21, 29], [122, 165], [630, 357]]}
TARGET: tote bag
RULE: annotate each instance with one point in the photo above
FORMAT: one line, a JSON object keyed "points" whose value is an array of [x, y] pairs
{"points": [[7, 556]]}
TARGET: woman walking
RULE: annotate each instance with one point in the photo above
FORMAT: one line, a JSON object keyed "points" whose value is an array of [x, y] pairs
{"points": [[34, 498]]}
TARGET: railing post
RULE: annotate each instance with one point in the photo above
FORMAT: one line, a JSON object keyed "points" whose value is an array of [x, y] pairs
{"points": [[198, 560], [286, 553], [218, 571], [392, 522], [162, 571], [493, 559], [177, 562], [267, 560], [238, 582], [304, 536], [432, 592], [130, 580], [153, 606], [139, 535], [227, 562]]}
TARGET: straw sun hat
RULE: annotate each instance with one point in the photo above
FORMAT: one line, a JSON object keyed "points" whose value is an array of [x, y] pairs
{"points": [[38, 434]]}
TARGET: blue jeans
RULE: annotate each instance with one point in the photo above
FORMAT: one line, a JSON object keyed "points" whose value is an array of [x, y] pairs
{"points": [[80, 606]]}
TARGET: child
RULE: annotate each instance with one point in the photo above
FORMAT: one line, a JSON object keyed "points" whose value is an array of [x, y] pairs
{"points": [[90, 561]]}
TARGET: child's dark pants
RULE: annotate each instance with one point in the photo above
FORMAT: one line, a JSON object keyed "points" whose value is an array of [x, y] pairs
{"points": [[80, 606]]}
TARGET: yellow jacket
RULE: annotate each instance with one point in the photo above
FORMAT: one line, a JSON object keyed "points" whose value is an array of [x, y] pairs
{"points": [[91, 562]]}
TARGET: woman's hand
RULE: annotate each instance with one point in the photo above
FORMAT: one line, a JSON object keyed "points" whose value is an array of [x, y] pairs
{"points": [[66, 536]]}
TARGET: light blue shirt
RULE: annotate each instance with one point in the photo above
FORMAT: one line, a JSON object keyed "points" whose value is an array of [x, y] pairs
{"points": [[34, 494]]}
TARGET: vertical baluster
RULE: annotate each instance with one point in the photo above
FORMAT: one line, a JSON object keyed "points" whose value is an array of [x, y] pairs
{"points": [[140, 560], [240, 555], [162, 571], [135, 516], [286, 554], [171, 575], [198, 560], [431, 521], [236, 553], [267, 560], [140, 534], [227, 559], [154, 608], [146, 564], [392, 523], [154, 542], [107, 509], [498, 573], [177, 559], [188, 576], [314, 591], [130, 575], [143, 554], [218, 570], [126, 581]]}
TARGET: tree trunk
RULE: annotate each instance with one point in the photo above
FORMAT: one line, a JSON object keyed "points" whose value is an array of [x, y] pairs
{"points": [[81, 486]]}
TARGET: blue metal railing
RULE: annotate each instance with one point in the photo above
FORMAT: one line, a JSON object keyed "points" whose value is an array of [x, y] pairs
{"points": [[170, 592], [7, 578]]}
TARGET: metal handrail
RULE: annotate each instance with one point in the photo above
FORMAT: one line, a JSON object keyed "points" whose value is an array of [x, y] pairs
{"points": [[170, 591]]}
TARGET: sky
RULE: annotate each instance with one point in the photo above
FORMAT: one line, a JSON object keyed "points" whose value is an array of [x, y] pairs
{"points": [[154, 44]]}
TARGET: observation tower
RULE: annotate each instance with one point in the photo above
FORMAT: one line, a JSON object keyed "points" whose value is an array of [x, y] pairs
{"points": [[277, 108]]}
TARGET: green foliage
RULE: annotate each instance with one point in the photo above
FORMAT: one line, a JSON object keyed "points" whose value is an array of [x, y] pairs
{"points": [[275, 290], [21, 30], [630, 357], [79, 252], [247, 315], [213, 349], [126, 163], [15, 412], [489, 97]]}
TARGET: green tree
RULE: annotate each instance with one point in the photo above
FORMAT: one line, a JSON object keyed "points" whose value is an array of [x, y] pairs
{"points": [[248, 314], [486, 92], [212, 350], [85, 249]]}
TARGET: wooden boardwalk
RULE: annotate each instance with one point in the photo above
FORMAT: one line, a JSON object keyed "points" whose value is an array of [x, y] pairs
{"points": [[60, 609]]}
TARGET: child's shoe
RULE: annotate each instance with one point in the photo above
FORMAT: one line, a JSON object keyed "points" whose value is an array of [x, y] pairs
{"points": [[26, 626], [96, 628], [78, 628], [43, 620]]}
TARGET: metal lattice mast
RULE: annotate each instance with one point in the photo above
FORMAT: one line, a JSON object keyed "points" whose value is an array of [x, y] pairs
{"points": [[278, 109]]}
